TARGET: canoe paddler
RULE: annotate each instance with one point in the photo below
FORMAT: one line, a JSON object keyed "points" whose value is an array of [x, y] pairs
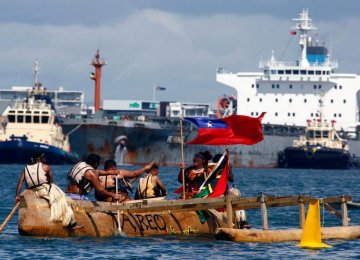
{"points": [[38, 177], [196, 174], [83, 177], [151, 186], [108, 181]]}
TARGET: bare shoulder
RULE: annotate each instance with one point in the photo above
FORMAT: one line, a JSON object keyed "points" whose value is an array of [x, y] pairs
{"points": [[155, 177], [46, 167]]}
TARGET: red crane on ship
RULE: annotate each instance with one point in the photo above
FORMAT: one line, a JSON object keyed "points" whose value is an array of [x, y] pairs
{"points": [[97, 63]]}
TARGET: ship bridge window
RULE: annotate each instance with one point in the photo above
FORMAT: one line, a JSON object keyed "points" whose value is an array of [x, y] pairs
{"points": [[36, 120], [20, 112], [325, 134], [344, 101], [340, 87], [36, 112], [328, 73], [281, 72], [12, 111], [288, 72], [44, 119], [310, 134], [248, 99], [45, 112], [295, 72], [310, 72], [319, 86], [28, 112], [303, 72], [273, 85], [290, 86], [28, 119], [11, 118], [335, 87], [318, 72], [273, 71], [277, 86], [324, 72], [317, 134], [20, 119]]}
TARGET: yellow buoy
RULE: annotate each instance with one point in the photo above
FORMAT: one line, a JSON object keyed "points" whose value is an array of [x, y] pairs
{"points": [[311, 236]]}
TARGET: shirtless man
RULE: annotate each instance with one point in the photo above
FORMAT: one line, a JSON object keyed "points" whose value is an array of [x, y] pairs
{"points": [[109, 181]]}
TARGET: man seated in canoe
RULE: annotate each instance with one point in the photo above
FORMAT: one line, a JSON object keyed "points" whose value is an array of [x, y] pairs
{"points": [[38, 177], [151, 186], [109, 181], [82, 178], [196, 174]]}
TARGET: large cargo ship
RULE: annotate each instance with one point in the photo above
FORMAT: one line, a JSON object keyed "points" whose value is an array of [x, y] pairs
{"points": [[288, 91]]}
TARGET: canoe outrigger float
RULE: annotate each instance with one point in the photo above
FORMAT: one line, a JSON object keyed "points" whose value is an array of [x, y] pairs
{"points": [[177, 217]]}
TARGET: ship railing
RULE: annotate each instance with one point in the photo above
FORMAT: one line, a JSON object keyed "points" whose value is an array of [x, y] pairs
{"points": [[284, 64]]}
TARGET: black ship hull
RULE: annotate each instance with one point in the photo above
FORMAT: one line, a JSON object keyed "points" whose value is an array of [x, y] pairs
{"points": [[20, 152], [314, 157]]}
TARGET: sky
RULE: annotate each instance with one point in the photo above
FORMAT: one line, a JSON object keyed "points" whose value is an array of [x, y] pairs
{"points": [[177, 44]]}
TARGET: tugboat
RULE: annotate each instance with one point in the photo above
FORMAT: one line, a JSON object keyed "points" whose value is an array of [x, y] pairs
{"points": [[32, 126], [320, 148]]}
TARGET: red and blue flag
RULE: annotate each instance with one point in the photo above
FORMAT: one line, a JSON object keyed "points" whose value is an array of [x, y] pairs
{"points": [[231, 130]]}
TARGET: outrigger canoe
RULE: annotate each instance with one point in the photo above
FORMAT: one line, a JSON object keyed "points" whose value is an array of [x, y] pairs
{"points": [[34, 215], [176, 217], [286, 235]]}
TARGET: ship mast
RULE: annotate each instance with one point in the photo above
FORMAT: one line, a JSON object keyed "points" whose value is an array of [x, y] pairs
{"points": [[303, 26], [97, 63], [37, 83]]}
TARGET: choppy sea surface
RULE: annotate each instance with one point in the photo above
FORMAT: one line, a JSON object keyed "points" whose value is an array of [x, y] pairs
{"points": [[281, 182]]}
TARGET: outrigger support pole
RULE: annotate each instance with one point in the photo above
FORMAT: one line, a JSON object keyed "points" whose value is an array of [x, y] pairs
{"points": [[182, 153], [263, 211]]}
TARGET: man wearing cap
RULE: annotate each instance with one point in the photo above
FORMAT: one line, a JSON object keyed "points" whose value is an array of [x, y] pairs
{"points": [[151, 186], [39, 179]]}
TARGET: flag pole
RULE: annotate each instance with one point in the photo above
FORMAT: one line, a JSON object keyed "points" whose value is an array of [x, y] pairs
{"points": [[182, 153], [154, 92]]}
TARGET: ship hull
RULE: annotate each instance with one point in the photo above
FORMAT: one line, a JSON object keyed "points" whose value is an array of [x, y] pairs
{"points": [[20, 152], [163, 144], [316, 158]]}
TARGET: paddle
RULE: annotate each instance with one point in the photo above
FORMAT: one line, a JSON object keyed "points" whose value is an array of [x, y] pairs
{"points": [[9, 216], [119, 231]]}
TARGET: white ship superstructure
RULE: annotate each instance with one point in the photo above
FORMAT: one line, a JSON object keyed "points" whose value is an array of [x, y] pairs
{"points": [[290, 91]]}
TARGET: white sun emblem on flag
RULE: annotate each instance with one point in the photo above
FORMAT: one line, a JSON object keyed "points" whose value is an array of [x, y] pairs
{"points": [[209, 124]]}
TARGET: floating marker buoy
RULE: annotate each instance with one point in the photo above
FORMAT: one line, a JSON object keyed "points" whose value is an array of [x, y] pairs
{"points": [[311, 236]]}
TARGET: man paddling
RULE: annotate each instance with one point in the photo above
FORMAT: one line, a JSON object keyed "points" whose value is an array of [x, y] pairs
{"points": [[83, 178], [38, 177], [108, 182]]}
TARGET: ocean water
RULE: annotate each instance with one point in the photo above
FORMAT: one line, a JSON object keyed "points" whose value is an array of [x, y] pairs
{"points": [[281, 182]]}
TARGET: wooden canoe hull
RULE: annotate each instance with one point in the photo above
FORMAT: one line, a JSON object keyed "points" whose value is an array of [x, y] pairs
{"points": [[34, 215], [288, 235]]}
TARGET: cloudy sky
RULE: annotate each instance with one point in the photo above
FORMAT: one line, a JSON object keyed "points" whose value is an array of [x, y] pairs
{"points": [[177, 44]]}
